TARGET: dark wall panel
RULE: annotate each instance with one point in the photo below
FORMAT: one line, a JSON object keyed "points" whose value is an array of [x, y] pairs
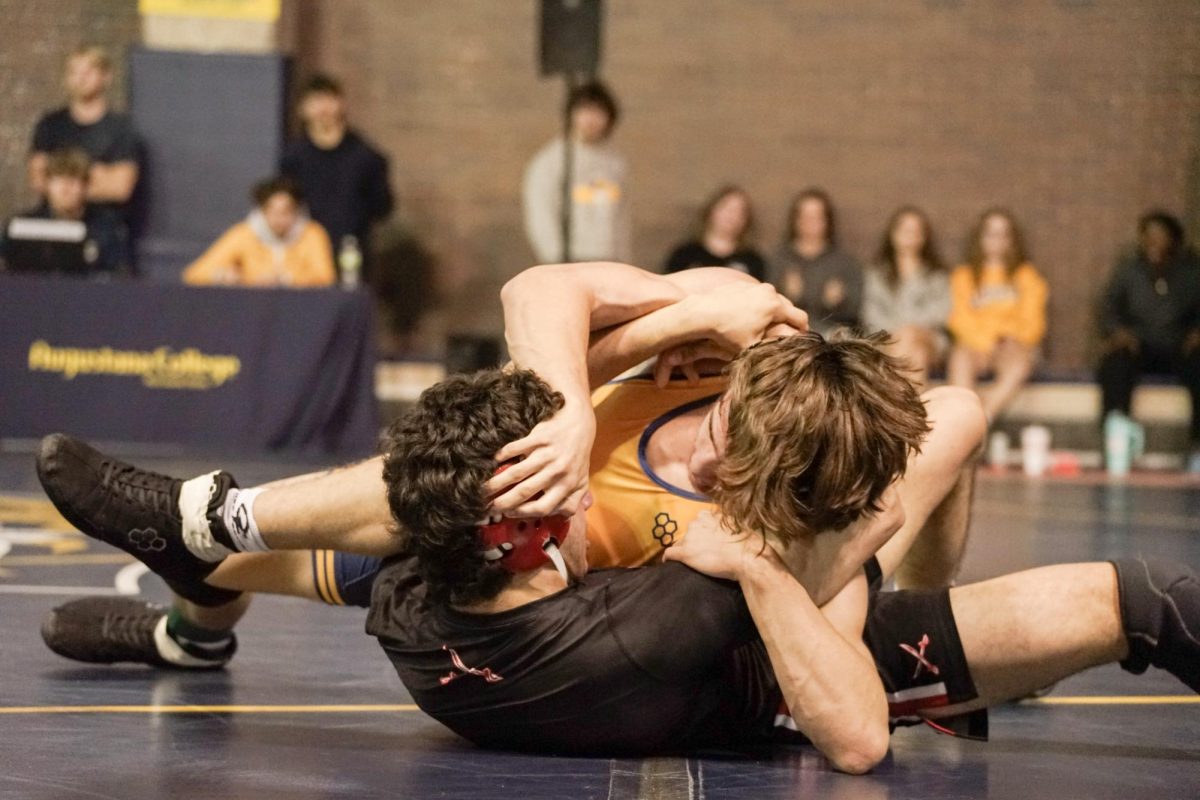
{"points": [[212, 125]]}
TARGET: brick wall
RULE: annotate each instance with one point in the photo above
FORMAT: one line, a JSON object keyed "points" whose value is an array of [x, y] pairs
{"points": [[1076, 113], [34, 40]]}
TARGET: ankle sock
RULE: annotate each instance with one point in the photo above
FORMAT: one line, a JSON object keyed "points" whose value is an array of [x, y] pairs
{"points": [[238, 516], [218, 518], [183, 643]]}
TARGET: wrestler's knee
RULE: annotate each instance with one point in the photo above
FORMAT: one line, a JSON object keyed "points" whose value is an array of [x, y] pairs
{"points": [[956, 416]]}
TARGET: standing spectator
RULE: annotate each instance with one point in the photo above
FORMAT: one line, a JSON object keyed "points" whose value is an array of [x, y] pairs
{"points": [[601, 228], [725, 226], [1151, 319], [907, 293], [998, 312], [65, 174], [343, 177], [89, 124], [812, 271], [277, 245]]}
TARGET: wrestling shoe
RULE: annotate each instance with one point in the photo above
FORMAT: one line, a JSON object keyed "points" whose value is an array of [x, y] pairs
{"points": [[138, 511], [115, 630]]}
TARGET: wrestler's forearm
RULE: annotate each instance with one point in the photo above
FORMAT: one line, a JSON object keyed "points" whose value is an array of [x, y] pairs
{"points": [[833, 692], [550, 311], [617, 349]]}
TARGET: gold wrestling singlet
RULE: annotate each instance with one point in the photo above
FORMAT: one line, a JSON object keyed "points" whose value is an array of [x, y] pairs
{"points": [[637, 514]]}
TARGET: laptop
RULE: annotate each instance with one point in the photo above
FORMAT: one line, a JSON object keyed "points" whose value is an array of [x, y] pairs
{"points": [[49, 247]]}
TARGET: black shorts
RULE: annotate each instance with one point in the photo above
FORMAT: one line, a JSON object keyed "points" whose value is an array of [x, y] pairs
{"points": [[914, 639]]}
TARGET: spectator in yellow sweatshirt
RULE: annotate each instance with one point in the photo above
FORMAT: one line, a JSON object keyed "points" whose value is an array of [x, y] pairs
{"points": [[276, 245], [998, 312]]}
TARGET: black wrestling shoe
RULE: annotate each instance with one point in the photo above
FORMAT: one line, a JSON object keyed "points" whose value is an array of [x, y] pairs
{"points": [[133, 509], [115, 630]]}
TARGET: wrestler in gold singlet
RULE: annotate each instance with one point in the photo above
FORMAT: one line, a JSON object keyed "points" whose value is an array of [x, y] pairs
{"points": [[637, 514]]}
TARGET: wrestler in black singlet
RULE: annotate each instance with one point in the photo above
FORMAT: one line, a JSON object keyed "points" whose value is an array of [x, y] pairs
{"points": [[626, 661]]}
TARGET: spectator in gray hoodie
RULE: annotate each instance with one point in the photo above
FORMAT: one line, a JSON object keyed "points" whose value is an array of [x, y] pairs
{"points": [[601, 228], [907, 293]]}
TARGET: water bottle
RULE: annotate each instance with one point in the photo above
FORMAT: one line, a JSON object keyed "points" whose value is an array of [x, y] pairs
{"points": [[1124, 441], [350, 262]]}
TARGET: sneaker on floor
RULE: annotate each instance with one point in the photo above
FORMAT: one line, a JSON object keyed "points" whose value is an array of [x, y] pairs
{"points": [[133, 509], [115, 630]]}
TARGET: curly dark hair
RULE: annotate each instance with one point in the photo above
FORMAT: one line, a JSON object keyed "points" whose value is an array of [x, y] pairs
{"points": [[437, 458]]}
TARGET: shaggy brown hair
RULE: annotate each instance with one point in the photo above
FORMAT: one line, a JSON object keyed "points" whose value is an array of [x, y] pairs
{"points": [[438, 457], [930, 256], [69, 162], [818, 429]]}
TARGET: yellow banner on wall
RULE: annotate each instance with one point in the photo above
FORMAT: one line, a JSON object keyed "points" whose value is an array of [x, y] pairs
{"points": [[262, 10]]}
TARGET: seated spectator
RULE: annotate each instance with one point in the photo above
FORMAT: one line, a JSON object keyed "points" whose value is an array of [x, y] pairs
{"points": [[725, 225], [344, 178], [88, 123], [812, 271], [277, 245], [1150, 319], [96, 249], [998, 312], [907, 293]]}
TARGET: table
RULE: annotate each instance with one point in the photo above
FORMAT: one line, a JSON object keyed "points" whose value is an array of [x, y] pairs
{"points": [[247, 369]]}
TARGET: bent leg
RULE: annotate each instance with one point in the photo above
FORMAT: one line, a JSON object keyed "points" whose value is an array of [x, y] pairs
{"points": [[936, 493], [1014, 364], [1118, 375], [916, 347], [1025, 631], [963, 366]]}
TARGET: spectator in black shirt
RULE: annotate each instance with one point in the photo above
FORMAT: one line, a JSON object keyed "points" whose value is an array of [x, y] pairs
{"points": [[344, 178], [88, 123], [66, 183], [1151, 318], [725, 227]]}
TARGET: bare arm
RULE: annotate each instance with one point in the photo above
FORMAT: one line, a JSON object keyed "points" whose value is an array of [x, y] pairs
{"points": [[550, 312], [35, 170], [112, 183], [828, 681], [721, 322]]}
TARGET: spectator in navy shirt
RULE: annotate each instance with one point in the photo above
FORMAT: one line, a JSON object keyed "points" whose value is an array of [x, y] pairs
{"points": [[344, 178], [87, 123]]}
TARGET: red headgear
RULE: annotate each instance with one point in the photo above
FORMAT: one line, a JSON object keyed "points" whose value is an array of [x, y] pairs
{"points": [[520, 544]]}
